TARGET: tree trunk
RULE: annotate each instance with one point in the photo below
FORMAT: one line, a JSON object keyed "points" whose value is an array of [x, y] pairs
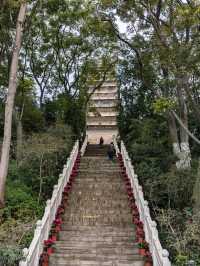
{"points": [[196, 193], [19, 141], [185, 155], [174, 135], [10, 102]]}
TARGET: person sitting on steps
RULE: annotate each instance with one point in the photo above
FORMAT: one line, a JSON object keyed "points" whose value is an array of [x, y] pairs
{"points": [[101, 141]]}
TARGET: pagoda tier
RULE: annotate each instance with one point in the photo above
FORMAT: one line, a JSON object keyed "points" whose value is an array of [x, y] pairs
{"points": [[102, 113]]}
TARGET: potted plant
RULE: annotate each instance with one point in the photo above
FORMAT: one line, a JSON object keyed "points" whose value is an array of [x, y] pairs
{"points": [[57, 224], [60, 212], [136, 220], [133, 205], [139, 230], [142, 250], [49, 245], [148, 261], [44, 259], [140, 224], [139, 239]]}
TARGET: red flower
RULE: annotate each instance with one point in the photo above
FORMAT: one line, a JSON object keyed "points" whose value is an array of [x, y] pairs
{"points": [[49, 242], [58, 221]]}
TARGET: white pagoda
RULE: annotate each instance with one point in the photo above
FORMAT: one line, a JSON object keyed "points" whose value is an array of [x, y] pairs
{"points": [[102, 113]]}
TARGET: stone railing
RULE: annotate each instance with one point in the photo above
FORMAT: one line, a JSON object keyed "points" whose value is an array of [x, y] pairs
{"points": [[33, 253], [115, 144], [84, 145], [160, 256]]}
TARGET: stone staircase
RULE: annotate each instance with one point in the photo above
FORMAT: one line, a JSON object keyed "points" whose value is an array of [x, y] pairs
{"points": [[97, 228]]}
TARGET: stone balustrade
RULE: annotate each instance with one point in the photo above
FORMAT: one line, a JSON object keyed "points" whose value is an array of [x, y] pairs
{"points": [[43, 226], [160, 256], [84, 145]]}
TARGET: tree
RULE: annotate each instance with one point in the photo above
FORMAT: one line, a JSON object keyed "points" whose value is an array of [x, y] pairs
{"points": [[10, 101], [171, 33]]}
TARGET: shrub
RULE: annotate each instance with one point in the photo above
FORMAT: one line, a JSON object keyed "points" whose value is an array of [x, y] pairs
{"points": [[10, 256], [30, 182]]}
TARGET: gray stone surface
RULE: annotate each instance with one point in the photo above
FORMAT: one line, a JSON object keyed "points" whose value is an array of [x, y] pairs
{"points": [[97, 228]]}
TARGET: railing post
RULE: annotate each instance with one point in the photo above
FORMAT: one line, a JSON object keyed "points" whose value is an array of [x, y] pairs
{"points": [[38, 234], [48, 211], [154, 237], [23, 262], [84, 145], [165, 255]]}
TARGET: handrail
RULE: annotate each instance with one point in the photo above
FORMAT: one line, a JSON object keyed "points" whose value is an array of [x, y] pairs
{"points": [[115, 144], [160, 256], [84, 145], [33, 253]]}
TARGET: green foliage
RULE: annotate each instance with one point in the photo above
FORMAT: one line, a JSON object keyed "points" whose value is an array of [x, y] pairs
{"points": [[21, 203], [10, 256], [163, 105], [30, 183], [181, 260], [168, 191]]}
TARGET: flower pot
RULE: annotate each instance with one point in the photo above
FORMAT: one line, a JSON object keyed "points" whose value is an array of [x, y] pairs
{"points": [[148, 262], [44, 259], [142, 251], [50, 251], [140, 239], [140, 225], [128, 183], [139, 232], [136, 220], [128, 188], [136, 216], [135, 211], [130, 193], [54, 236]]}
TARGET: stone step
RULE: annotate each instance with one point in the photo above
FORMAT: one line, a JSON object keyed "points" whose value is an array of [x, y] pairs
{"points": [[85, 183], [93, 238], [93, 244], [97, 181], [99, 162], [69, 234], [97, 228], [99, 175], [96, 208], [95, 257], [97, 216], [98, 191], [97, 149], [98, 171], [99, 222], [95, 195], [85, 262], [120, 251], [100, 184], [99, 168], [91, 159], [95, 205], [96, 154]]}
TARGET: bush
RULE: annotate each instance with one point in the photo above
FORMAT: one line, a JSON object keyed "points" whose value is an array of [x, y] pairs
{"points": [[21, 203], [168, 191], [30, 183], [10, 256]]}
